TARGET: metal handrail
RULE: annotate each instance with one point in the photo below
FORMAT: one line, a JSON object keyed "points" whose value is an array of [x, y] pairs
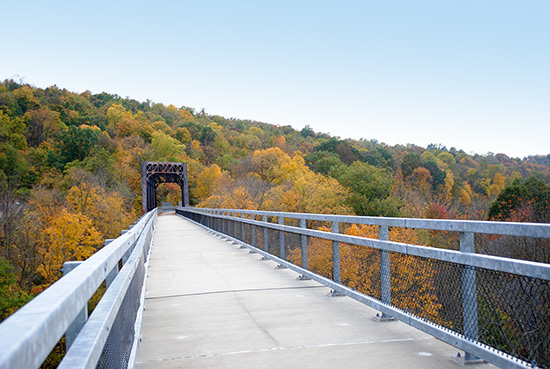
{"points": [[536, 230], [28, 336], [225, 221], [509, 265]]}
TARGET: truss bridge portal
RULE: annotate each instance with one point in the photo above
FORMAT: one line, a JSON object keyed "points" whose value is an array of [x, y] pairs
{"points": [[154, 173]]}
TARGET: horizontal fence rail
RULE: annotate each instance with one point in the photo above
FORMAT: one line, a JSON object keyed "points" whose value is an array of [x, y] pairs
{"points": [[107, 338], [494, 308]]}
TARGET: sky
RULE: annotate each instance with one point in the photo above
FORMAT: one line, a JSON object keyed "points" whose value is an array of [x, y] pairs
{"points": [[469, 74]]}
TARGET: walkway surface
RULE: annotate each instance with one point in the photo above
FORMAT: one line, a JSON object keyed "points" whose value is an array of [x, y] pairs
{"points": [[210, 304]]}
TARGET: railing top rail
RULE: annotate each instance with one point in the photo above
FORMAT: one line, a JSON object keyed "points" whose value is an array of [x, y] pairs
{"points": [[537, 230], [508, 265], [29, 335]]}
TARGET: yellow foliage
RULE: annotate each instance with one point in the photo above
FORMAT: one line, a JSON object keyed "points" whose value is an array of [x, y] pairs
{"points": [[308, 193], [116, 113], [268, 163], [229, 197], [105, 210], [205, 181], [412, 278], [126, 127], [68, 237], [166, 148], [449, 184], [183, 134], [498, 184], [465, 196], [163, 127], [185, 116]]}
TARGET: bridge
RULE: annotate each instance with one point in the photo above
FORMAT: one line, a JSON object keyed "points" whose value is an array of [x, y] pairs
{"points": [[240, 288]]}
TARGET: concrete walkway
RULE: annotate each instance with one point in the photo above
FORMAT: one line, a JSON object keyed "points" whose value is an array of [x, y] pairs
{"points": [[210, 304]]}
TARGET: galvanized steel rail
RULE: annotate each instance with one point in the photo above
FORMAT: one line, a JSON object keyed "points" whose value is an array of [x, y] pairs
{"points": [[28, 336], [521, 275]]}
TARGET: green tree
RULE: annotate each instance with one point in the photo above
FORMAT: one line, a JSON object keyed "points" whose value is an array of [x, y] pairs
{"points": [[75, 144], [410, 162], [11, 295], [323, 161], [166, 147], [370, 188], [524, 201]]}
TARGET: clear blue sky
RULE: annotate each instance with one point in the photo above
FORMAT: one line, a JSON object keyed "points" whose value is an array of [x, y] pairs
{"points": [[470, 74]]}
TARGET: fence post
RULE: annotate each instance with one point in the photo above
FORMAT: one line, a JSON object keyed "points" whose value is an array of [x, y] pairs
{"points": [[303, 244], [242, 238], [385, 274], [235, 226], [243, 229], [77, 324], [469, 300], [112, 274], [253, 231], [336, 268], [266, 237], [282, 251]]}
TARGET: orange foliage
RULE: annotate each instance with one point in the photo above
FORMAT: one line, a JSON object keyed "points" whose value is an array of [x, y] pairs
{"points": [[412, 278]]}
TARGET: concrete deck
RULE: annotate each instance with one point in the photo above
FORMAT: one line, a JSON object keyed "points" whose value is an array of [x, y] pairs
{"points": [[210, 304]]}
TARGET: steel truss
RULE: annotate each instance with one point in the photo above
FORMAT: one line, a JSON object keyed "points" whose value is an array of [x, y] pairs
{"points": [[154, 173]]}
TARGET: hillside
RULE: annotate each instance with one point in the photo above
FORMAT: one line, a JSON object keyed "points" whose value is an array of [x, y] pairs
{"points": [[70, 175]]}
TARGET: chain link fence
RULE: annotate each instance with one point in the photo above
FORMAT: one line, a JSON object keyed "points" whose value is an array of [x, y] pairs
{"points": [[501, 310]]}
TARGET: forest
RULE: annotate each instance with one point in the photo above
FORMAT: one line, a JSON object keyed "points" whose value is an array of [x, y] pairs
{"points": [[70, 176]]}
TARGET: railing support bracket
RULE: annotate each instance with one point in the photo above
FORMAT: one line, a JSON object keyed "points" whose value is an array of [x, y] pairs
{"points": [[467, 360]]}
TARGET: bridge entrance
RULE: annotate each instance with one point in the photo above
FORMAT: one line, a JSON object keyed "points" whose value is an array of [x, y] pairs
{"points": [[154, 173]]}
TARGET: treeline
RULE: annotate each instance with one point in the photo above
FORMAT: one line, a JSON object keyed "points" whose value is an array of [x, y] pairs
{"points": [[70, 175]]}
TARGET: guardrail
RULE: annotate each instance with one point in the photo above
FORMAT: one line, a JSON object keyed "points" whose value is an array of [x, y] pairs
{"points": [[494, 308], [108, 337]]}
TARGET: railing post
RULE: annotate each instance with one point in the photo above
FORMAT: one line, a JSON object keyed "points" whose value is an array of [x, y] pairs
{"points": [[385, 274], [253, 231], [282, 251], [77, 324], [235, 226], [266, 237], [113, 273], [243, 229], [225, 223], [469, 300], [336, 268], [281, 220], [303, 246]]}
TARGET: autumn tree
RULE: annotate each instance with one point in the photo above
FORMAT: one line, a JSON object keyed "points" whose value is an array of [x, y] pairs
{"points": [[520, 195], [42, 125], [166, 148], [412, 278], [105, 210], [68, 237], [205, 181]]}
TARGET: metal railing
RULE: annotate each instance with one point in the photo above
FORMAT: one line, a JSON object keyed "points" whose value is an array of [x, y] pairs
{"points": [[107, 339], [494, 308]]}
